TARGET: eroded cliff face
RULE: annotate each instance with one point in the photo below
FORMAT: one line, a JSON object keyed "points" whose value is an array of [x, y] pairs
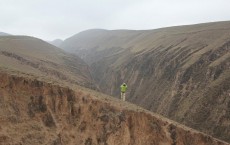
{"points": [[36, 112]]}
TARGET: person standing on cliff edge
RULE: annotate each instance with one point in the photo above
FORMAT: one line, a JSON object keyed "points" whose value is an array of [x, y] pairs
{"points": [[123, 89]]}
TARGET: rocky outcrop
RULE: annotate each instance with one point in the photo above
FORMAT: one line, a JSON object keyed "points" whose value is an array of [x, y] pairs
{"points": [[180, 72], [36, 112]]}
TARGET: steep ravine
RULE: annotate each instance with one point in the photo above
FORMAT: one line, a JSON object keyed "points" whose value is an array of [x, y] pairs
{"points": [[195, 94], [36, 112]]}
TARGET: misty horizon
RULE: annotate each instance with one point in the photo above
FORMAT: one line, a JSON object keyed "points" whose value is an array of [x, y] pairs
{"points": [[50, 20]]}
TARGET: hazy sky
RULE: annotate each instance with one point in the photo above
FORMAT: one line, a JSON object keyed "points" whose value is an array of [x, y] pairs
{"points": [[51, 19]]}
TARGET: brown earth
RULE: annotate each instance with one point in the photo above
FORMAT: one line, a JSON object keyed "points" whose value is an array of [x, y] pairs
{"points": [[37, 112], [180, 72]]}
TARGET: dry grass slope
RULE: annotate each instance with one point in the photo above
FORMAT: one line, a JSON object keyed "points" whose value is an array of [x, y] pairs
{"points": [[36, 57]]}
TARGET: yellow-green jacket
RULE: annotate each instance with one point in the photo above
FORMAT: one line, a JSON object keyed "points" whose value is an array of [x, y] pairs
{"points": [[123, 88]]}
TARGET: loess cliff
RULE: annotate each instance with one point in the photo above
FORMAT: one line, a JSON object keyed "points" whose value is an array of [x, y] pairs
{"points": [[37, 112]]}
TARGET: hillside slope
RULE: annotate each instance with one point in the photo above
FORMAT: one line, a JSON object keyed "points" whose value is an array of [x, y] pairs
{"points": [[36, 57], [180, 72], [40, 113]]}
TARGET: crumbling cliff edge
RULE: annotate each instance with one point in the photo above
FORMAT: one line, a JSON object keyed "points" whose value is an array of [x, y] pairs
{"points": [[37, 112]]}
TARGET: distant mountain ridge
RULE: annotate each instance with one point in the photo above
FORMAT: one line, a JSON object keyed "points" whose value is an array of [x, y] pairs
{"points": [[56, 42], [180, 72], [4, 34]]}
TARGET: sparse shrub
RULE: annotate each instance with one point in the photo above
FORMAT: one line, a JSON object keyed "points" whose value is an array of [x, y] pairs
{"points": [[82, 126], [88, 141], [48, 120]]}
